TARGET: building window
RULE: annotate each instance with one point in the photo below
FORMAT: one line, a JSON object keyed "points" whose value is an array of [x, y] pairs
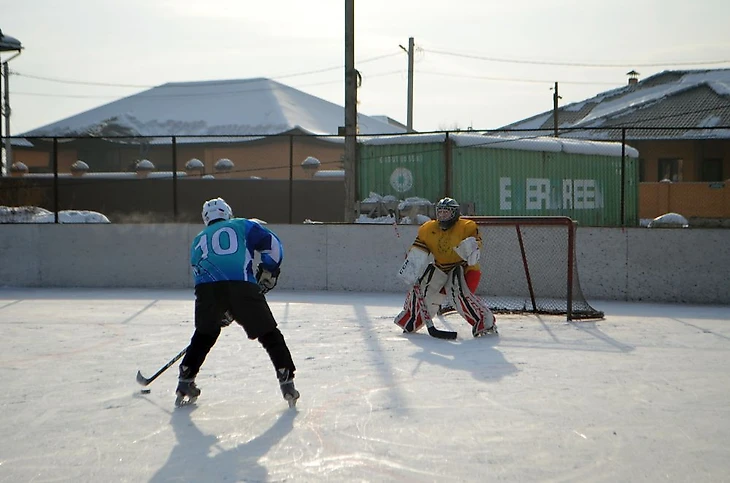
{"points": [[670, 169], [642, 170], [712, 170]]}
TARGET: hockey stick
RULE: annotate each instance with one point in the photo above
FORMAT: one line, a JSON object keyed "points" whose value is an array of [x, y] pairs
{"points": [[432, 330], [145, 381]]}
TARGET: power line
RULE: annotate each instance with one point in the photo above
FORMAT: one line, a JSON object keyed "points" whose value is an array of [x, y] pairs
{"points": [[188, 95], [575, 64], [507, 79], [78, 82], [328, 69], [365, 76], [147, 86]]}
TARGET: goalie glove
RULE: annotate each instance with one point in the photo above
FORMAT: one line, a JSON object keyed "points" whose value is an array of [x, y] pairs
{"points": [[266, 279], [469, 251], [412, 268]]}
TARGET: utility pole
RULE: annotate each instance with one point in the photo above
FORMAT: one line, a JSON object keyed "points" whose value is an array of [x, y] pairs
{"points": [[409, 122], [555, 110], [350, 112], [2, 115], [6, 113], [7, 44]]}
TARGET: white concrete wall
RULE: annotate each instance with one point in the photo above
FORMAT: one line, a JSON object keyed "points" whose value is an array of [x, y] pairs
{"points": [[660, 265]]}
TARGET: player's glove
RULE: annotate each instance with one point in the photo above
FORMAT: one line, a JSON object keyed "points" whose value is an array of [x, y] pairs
{"points": [[266, 279], [227, 318]]}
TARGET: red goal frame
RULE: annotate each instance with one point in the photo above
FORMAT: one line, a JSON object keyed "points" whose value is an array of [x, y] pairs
{"points": [[571, 269]]}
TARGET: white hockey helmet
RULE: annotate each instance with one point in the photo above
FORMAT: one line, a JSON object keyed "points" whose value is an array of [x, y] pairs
{"points": [[447, 212], [216, 209]]}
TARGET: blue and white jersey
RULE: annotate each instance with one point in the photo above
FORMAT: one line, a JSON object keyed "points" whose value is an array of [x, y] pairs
{"points": [[225, 251]]}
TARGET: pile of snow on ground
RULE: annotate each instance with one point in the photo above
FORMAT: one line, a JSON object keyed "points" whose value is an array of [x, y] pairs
{"points": [[35, 214]]}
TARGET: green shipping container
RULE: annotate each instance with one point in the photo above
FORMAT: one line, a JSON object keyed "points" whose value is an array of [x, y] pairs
{"points": [[510, 176], [402, 166]]}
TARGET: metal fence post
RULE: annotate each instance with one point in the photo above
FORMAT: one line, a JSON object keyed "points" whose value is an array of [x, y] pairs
{"points": [[174, 178], [447, 166], [623, 177], [55, 180], [291, 179]]}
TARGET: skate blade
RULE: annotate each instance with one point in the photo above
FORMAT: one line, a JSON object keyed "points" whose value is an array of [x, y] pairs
{"points": [[491, 331], [292, 399], [182, 401]]}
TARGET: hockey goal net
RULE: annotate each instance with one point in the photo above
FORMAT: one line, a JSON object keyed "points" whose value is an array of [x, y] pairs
{"points": [[529, 265]]}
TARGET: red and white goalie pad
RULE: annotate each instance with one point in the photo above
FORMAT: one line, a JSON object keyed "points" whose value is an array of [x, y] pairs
{"points": [[414, 314], [469, 305], [423, 300], [432, 284]]}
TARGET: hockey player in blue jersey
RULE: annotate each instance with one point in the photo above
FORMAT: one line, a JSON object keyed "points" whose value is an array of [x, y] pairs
{"points": [[227, 289]]}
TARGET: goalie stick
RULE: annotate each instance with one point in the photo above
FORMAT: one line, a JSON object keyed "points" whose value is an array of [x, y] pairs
{"points": [[145, 381], [432, 330]]}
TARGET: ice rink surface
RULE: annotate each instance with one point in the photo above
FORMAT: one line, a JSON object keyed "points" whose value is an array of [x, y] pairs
{"points": [[643, 395]]}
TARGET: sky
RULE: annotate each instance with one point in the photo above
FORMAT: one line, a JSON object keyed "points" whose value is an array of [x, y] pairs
{"points": [[479, 63], [546, 400]]}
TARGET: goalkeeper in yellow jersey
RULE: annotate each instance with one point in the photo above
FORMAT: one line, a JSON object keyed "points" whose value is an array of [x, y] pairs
{"points": [[443, 263]]}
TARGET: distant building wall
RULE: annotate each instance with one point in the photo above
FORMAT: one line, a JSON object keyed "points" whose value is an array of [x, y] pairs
{"points": [[692, 154], [650, 265], [270, 157], [703, 200], [126, 200]]}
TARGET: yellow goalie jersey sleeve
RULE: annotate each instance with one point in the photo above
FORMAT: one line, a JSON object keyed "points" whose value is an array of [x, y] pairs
{"points": [[440, 243]]}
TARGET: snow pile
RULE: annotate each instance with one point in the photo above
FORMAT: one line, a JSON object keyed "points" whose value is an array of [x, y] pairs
{"points": [[669, 220], [388, 209], [35, 214]]}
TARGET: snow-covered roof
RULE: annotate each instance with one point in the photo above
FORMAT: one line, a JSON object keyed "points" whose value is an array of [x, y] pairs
{"points": [[523, 143], [679, 101], [244, 107]]}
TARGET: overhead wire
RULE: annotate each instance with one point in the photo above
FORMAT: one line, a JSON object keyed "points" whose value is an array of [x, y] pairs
{"points": [[183, 84], [575, 64]]}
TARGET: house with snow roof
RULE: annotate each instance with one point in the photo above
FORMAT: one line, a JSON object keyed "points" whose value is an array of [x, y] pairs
{"points": [[247, 128], [679, 121]]}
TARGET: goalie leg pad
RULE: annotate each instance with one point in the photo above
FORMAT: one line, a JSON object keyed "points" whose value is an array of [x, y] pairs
{"points": [[470, 306], [411, 317], [432, 284]]}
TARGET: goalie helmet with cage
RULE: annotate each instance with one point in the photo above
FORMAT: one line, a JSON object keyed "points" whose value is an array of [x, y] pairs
{"points": [[447, 212], [216, 209]]}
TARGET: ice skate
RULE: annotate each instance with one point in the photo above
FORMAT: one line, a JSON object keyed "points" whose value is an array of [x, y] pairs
{"points": [[446, 309], [187, 392], [286, 383], [480, 329]]}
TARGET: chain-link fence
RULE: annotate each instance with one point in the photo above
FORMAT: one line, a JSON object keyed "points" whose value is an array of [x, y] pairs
{"points": [[600, 177]]}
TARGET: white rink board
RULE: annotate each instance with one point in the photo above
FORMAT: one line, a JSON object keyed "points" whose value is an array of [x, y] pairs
{"points": [[639, 396], [636, 264]]}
